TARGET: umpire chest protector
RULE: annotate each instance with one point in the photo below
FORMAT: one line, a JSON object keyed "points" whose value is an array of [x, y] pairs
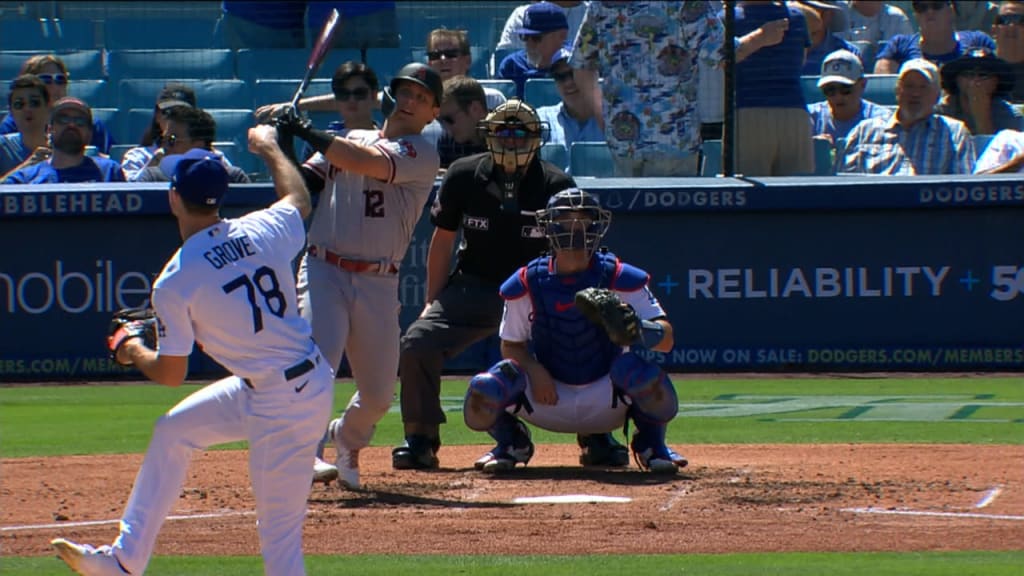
{"points": [[573, 349]]}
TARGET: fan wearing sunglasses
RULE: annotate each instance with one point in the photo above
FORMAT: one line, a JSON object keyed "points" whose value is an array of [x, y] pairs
{"points": [[975, 88], [937, 39], [1008, 31], [70, 129], [842, 83], [463, 106], [185, 129], [54, 74], [448, 52], [30, 106]]}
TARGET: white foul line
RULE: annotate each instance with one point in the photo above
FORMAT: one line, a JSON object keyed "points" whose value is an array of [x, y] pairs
{"points": [[989, 497], [103, 522], [941, 514]]}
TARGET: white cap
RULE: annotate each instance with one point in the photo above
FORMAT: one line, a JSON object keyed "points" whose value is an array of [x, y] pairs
{"points": [[927, 69], [842, 67]]}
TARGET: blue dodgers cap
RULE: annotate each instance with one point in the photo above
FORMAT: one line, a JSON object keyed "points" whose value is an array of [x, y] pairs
{"points": [[198, 175], [541, 18]]}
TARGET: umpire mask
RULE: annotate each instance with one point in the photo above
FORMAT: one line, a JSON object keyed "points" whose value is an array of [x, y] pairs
{"points": [[514, 134], [574, 220]]}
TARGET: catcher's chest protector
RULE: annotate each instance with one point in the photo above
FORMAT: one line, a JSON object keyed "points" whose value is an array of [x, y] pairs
{"points": [[573, 349]]}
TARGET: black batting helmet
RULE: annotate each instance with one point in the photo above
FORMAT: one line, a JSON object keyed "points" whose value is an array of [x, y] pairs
{"points": [[424, 76]]}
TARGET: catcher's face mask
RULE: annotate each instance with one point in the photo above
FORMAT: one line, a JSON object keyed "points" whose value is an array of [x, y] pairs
{"points": [[579, 227]]}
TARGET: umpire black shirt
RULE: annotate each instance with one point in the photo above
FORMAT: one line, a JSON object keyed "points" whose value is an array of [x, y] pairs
{"points": [[495, 243]]}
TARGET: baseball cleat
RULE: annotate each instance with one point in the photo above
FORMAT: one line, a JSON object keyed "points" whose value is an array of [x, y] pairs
{"points": [[602, 450], [324, 472], [348, 469], [86, 560], [657, 460], [504, 460], [417, 453]]}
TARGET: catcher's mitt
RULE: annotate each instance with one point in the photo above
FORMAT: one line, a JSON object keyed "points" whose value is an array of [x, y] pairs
{"points": [[604, 308], [129, 323]]}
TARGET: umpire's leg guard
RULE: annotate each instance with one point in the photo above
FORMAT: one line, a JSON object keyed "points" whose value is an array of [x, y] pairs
{"points": [[652, 394], [491, 392]]}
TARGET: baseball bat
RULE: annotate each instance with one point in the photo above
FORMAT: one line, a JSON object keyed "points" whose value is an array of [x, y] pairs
{"points": [[320, 49]]}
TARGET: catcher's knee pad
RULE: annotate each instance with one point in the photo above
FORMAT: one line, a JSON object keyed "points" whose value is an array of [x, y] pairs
{"points": [[491, 392], [647, 385]]}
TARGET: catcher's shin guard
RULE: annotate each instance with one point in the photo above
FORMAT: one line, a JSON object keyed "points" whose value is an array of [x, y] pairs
{"points": [[647, 385], [490, 392]]}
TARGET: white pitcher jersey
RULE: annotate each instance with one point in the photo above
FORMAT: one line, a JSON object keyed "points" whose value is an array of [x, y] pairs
{"points": [[363, 218], [236, 273]]}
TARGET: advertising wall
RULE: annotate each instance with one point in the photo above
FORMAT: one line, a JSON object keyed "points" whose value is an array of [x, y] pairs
{"points": [[838, 274]]}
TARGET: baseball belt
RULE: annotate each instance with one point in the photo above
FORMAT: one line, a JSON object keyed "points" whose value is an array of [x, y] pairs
{"points": [[292, 372], [381, 267]]}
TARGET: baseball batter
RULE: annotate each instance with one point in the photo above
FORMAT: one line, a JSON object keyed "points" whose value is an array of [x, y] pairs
{"points": [[230, 289], [562, 372], [375, 185]]}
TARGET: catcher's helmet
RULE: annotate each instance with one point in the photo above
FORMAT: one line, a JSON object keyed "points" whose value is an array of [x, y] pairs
{"points": [[574, 220], [420, 74], [514, 133]]}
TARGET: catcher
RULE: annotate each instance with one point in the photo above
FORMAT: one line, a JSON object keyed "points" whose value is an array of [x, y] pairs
{"points": [[568, 323]]}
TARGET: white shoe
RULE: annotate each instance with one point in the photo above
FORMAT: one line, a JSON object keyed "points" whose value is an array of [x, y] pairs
{"points": [[324, 472], [86, 560], [348, 468]]}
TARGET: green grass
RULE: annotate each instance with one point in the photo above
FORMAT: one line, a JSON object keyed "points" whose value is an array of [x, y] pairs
{"points": [[795, 564], [47, 421]]}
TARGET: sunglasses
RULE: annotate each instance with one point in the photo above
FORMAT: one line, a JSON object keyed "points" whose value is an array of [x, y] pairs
{"points": [[65, 120], [58, 79], [1010, 19], [32, 103], [359, 94], [531, 37], [832, 90], [448, 54], [562, 76], [923, 7], [514, 133]]}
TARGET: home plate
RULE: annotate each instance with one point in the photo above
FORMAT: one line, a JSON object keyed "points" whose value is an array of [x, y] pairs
{"points": [[569, 499]]}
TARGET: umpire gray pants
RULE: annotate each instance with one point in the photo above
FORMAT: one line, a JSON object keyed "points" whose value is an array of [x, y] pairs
{"points": [[466, 311]]}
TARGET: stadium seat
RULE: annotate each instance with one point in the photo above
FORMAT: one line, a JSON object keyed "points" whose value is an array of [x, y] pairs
{"points": [[112, 118], [823, 162], [209, 64], [271, 91], [151, 32], [556, 154], [95, 93], [47, 34], [507, 87], [142, 92], [496, 59], [253, 65], [117, 151], [591, 159], [711, 150], [541, 92], [384, 61], [134, 124], [83, 64], [233, 124]]}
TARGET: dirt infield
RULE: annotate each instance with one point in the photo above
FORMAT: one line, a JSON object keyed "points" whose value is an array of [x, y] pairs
{"points": [[732, 498]]}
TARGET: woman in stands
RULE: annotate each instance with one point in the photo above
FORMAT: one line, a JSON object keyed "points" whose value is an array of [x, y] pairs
{"points": [[29, 103], [149, 151], [54, 73], [975, 88]]}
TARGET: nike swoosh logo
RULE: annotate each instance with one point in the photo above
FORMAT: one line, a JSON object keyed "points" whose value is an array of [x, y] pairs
{"points": [[563, 306], [301, 387]]}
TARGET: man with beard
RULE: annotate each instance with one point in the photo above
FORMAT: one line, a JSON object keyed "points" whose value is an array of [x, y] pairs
{"points": [[70, 129], [544, 32], [914, 140]]}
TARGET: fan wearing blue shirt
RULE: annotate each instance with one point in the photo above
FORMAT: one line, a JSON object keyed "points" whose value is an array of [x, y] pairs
{"points": [[544, 32], [938, 41], [842, 82], [574, 118], [70, 130]]}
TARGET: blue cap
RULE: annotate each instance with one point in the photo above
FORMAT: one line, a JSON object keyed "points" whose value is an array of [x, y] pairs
{"points": [[541, 18], [198, 175]]}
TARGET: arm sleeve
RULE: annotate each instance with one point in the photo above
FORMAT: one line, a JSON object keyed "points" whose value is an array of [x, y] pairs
{"points": [[644, 302]]}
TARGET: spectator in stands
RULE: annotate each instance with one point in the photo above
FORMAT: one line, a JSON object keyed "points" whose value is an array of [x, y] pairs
{"points": [[574, 118], [448, 53], [463, 107], [575, 10], [1003, 155], [872, 21], [825, 32], [355, 94], [1008, 32], [70, 129], [54, 73], [842, 81], [937, 39], [544, 31], [149, 153], [187, 128], [976, 85], [773, 134], [914, 140], [246, 25], [649, 105], [29, 103], [975, 14]]}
